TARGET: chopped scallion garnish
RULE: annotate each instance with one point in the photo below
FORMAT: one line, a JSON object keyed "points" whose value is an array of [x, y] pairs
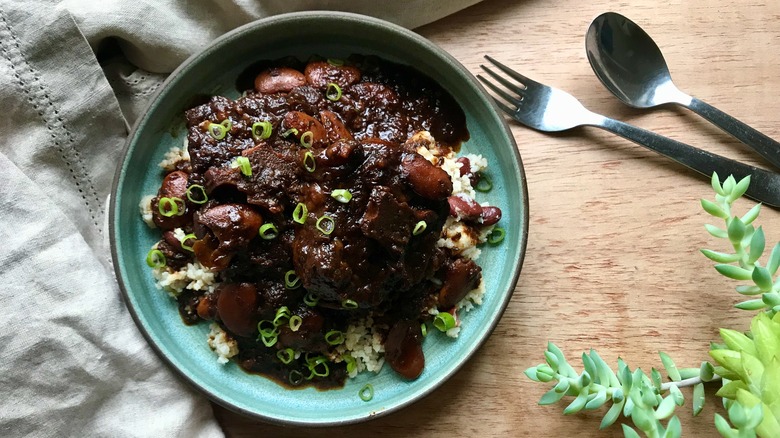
{"points": [[170, 207], [307, 139], [367, 392], [268, 333], [444, 321], [341, 195], [318, 366], [484, 184], [185, 239], [333, 93], [196, 193], [351, 362], [243, 164], [295, 377], [261, 130], [308, 162], [295, 322], [424, 329], [155, 258], [219, 130], [496, 236], [268, 231], [290, 131], [334, 337], [282, 316], [311, 299], [419, 227], [291, 280], [300, 213], [326, 224], [349, 304], [286, 356]]}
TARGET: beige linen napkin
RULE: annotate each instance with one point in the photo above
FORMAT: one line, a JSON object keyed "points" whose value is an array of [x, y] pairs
{"points": [[73, 76]]}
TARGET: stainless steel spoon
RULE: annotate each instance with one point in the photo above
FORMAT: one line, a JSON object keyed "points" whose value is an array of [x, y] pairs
{"points": [[631, 66]]}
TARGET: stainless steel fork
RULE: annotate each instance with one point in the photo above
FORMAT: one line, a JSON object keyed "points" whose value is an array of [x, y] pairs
{"points": [[549, 109]]}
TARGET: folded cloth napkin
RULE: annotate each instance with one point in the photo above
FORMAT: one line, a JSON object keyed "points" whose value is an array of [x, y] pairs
{"points": [[73, 76]]}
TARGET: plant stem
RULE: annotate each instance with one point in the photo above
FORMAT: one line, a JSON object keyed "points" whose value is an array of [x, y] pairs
{"points": [[686, 382]]}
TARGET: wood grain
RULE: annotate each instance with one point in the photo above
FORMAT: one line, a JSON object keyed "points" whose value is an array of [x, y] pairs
{"points": [[612, 260]]}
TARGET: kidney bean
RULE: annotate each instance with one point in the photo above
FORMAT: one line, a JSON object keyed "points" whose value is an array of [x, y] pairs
{"points": [[465, 167], [490, 215], [403, 349], [232, 224], [464, 207], [320, 73], [279, 80], [174, 185], [460, 277], [302, 123], [207, 307], [424, 178], [237, 308]]}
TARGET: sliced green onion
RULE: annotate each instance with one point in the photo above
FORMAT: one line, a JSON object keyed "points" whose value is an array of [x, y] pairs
{"points": [[419, 228], [351, 362], [286, 356], [261, 130], [295, 322], [326, 224], [334, 337], [269, 328], [268, 231], [308, 161], [367, 392], [290, 131], [201, 197], [484, 184], [496, 235], [318, 366], [155, 258], [341, 195], [311, 299], [186, 238], [300, 212], [349, 304], [424, 329], [295, 377], [282, 314], [267, 336], [307, 139], [335, 62], [219, 130], [444, 321], [333, 93], [243, 164], [169, 207], [291, 280]]}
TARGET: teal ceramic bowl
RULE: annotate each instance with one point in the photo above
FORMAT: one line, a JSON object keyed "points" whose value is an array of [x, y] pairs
{"points": [[214, 71]]}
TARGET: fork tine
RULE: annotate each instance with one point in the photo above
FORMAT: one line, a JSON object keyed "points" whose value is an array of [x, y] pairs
{"points": [[515, 75], [504, 81], [504, 95], [504, 107]]}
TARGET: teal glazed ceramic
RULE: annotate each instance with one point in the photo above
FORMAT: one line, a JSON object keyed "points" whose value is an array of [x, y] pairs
{"points": [[214, 71]]}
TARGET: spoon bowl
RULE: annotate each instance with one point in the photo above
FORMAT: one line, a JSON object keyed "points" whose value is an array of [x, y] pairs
{"points": [[631, 66]]}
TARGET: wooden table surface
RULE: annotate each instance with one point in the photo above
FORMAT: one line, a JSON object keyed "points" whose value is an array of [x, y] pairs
{"points": [[613, 256]]}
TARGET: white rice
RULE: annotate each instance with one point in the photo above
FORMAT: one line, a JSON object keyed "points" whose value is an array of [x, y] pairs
{"points": [[145, 206], [220, 342], [363, 341], [174, 156], [194, 276]]}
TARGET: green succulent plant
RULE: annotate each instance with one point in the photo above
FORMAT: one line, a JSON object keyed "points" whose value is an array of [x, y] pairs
{"points": [[747, 364]]}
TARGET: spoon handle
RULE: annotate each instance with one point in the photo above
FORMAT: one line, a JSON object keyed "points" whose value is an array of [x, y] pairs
{"points": [[768, 148], [764, 185]]}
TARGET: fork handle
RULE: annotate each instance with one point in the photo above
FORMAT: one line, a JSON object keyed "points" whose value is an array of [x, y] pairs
{"points": [[767, 147], [764, 185]]}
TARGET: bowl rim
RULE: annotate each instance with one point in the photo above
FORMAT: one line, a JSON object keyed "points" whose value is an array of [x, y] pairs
{"points": [[237, 33]]}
